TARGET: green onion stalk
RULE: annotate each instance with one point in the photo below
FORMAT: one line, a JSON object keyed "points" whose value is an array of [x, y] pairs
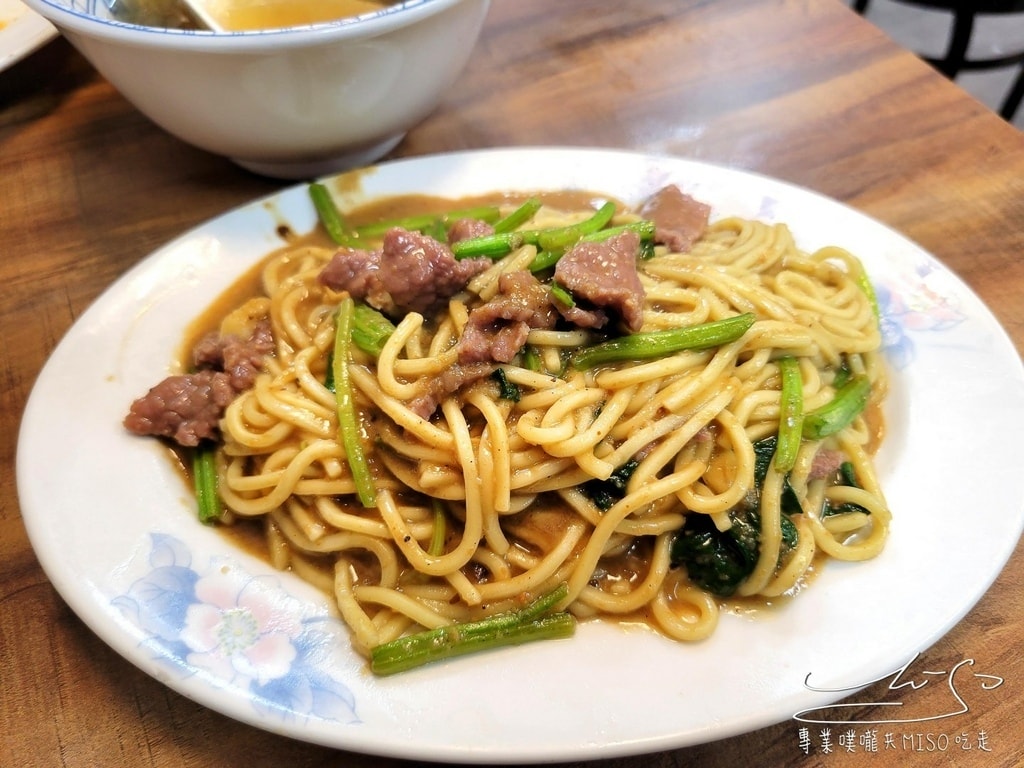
{"points": [[846, 405], [791, 416], [518, 217], [656, 344], [430, 221], [534, 622], [204, 476], [550, 242], [348, 421], [330, 217]]}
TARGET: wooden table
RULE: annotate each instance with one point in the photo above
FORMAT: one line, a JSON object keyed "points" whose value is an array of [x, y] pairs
{"points": [[803, 90]]}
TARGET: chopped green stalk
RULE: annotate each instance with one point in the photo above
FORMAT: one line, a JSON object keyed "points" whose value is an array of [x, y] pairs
{"points": [[329, 215], [488, 213], [542, 604], [839, 412], [644, 228], [204, 475], [438, 230], [565, 237], [492, 246], [436, 546], [449, 642], [525, 625], [648, 346], [531, 360], [544, 260], [348, 422], [791, 409], [370, 329], [205, 478], [518, 217], [502, 243], [551, 243], [864, 283], [562, 295]]}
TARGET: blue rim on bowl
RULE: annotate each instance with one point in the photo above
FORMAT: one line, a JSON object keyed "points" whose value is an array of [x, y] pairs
{"points": [[91, 17]]}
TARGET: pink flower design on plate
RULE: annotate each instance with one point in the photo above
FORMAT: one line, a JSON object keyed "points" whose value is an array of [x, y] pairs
{"points": [[241, 627]]}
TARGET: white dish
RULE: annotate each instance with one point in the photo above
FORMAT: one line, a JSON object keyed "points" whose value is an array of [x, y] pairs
{"points": [[22, 31], [113, 524], [294, 102]]}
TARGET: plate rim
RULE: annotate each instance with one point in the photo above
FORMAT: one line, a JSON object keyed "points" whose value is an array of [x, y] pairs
{"points": [[69, 590]]}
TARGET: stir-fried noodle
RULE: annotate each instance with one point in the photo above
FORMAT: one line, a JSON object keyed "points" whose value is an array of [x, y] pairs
{"points": [[493, 497]]}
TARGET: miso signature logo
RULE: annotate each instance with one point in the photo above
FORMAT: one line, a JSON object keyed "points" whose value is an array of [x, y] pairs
{"points": [[960, 681]]}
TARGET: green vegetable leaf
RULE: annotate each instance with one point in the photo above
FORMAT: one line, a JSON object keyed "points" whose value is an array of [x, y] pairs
{"points": [[719, 561], [370, 329], [507, 390], [607, 493], [847, 477], [764, 450]]}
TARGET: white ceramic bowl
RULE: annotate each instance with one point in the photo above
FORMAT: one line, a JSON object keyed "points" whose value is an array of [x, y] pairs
{"points": [[290, 103]]}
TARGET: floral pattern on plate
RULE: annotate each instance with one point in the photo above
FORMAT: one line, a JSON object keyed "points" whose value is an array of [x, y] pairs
{"points": [[243, 631], [911, 308]]}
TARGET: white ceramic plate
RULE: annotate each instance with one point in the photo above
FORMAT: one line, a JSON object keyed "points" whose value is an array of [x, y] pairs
{"points": [[21, 32], [113, 524]]}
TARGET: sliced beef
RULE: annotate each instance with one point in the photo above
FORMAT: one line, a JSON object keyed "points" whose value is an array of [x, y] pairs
{"points": [[604, 282], [185, 408], [411, 273], [464, 229], [826, 463], [452, 380], [358, 272], [240, 358], [679, 220], [497, 330], [420, 273], [584, 318]]}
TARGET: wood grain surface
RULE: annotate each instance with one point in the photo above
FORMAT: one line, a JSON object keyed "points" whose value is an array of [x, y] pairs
{"points": [[802, 90]]}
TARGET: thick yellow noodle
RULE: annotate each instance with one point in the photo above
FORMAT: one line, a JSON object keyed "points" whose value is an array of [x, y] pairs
{"points": [[509, 473]]}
